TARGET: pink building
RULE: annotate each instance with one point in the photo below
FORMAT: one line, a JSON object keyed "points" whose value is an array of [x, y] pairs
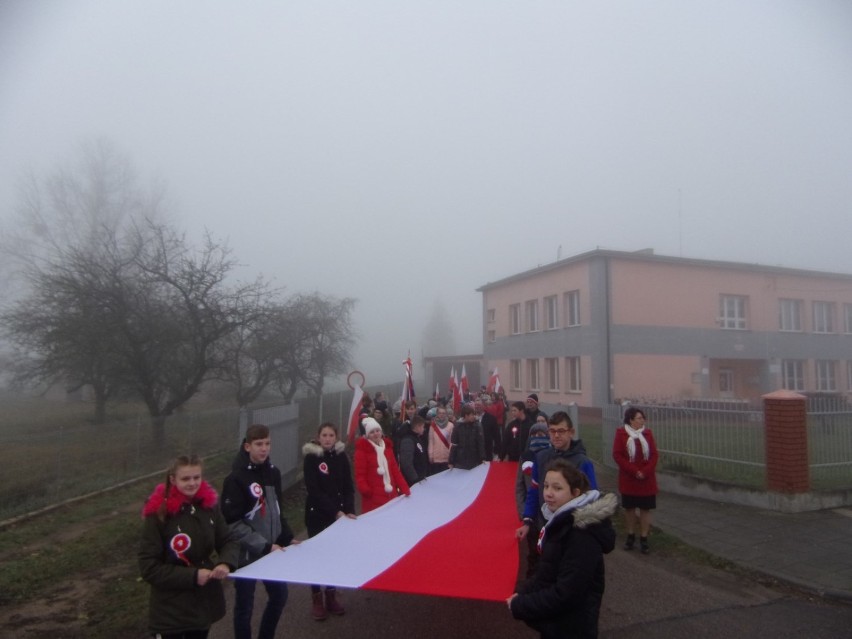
{"points": [[610, 325]]}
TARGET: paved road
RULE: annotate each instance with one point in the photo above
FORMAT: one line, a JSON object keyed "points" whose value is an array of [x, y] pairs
{"points": [[646, 597]]}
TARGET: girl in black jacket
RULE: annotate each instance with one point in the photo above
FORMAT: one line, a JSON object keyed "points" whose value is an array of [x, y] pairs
{"points": [[563, 598], [331, 495]]}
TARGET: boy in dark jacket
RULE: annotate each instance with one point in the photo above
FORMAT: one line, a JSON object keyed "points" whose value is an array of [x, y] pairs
{"points": [[467, 448], [413, 459], [252, 505]]}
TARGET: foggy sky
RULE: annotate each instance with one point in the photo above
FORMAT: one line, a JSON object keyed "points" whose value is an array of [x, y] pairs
{"points": [[404, 152]]}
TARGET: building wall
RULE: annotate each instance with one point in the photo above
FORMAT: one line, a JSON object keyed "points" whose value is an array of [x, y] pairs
{"points": [[643, 312]]}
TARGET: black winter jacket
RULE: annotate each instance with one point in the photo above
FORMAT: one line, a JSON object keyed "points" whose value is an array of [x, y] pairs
{"points": [[413, 456], [252, 503], [468, 445], [563, 599], [328, 481]]}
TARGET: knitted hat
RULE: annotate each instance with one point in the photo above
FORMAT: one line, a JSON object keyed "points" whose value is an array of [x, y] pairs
{"points": [[533, 397], [538, 438], [370, 425]]}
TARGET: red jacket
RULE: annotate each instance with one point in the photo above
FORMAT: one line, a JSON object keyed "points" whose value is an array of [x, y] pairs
{"points": [[628, 483], [370, 484]]}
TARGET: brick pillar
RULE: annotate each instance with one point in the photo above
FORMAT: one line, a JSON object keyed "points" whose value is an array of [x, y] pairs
{"points": [[785, 418]]}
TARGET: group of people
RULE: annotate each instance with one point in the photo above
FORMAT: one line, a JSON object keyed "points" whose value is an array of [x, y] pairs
{"points": [[191, 541]]}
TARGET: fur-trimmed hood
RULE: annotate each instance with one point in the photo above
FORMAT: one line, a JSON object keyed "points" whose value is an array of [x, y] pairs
{"points": [[313, 448], [206, 497], [592, 518], [596, 512]]}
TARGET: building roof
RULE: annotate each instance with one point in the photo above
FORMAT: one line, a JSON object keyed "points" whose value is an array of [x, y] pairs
{"points": [[648, 255]]}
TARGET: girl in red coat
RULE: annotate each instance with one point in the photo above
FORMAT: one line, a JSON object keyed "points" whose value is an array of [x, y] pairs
{"points": [[635, 453], [377, 474]]}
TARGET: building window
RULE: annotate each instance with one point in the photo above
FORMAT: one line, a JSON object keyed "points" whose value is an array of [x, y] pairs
{"points": [[492, 315], [532, 316], [515, 319], [532, 369], [847, 318], [849, 375], [823, 317], [793, 371], [552, 366], [492, 335], [515, 374], [790, 315], [825, 375], [732, 311], [726, 381], [572, 375], [572, 308], [551, 312]]}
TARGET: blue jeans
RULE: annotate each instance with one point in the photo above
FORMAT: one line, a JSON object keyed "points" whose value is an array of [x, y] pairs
{"points": [[276, 592]]}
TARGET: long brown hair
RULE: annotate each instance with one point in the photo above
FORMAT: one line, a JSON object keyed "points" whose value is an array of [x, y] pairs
{"points": [[178, 462]]}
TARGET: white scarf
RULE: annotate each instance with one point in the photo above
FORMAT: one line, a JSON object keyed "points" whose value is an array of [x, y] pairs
{"points": [[578, 502], [383, 464], [632, 436]]}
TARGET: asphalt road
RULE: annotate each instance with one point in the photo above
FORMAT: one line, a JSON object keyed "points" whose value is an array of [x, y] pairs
{"points": [[646, 597]]}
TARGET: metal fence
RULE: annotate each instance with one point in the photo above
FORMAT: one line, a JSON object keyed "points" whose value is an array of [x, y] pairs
{"points": [[41, 467], [726, 442], [44, 466], [830, 442]]}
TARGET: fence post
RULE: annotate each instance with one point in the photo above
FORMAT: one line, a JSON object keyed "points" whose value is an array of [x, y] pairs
{"points": [[785, 418]]}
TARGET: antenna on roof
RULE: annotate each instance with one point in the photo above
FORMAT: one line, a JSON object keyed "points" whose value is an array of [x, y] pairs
{"points": [[559, 253]]}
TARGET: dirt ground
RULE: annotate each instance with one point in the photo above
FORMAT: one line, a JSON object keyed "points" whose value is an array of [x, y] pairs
{"points": [[63, 612]]}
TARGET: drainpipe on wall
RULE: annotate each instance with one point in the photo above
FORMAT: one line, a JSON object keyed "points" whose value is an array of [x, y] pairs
{"points": [[607, 335]]}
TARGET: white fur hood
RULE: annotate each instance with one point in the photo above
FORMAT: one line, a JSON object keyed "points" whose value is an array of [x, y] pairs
{"points": [[596, 511], [313, 448]]}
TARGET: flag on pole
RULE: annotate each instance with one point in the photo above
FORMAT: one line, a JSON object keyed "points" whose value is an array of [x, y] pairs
{"points": [[494, 385], [465, 387], [355, 413], [437, 392], [452, 383], [408, 383], [457, 400]]}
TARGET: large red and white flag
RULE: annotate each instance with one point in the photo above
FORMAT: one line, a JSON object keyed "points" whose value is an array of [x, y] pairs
{"points": [[354, 413], [494, 385], [453, 537]]}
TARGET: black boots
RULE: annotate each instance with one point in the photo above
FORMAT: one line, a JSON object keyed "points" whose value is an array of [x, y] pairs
{"points": [[643, 544]]}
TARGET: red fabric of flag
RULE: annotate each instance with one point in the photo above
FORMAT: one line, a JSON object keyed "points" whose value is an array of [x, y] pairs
{"points": [[474, 556]]}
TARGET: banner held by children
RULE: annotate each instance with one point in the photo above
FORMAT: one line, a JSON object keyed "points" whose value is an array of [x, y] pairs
{"points": [[453, 537]]}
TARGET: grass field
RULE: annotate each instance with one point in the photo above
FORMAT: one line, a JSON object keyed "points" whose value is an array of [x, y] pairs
{"points": [[89, 549]]}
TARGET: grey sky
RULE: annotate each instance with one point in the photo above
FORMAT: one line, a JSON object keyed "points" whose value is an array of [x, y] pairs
{"points": [[399, 152]]}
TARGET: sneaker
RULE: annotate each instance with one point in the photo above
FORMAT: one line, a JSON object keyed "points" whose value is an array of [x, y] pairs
{"points": [[643, 545], [631, 541]]}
